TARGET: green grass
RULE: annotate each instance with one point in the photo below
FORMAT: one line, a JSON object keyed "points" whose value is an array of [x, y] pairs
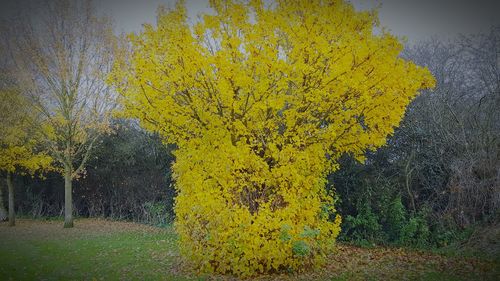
{"points": [[77, 259], [77, 254], [106, 250]]}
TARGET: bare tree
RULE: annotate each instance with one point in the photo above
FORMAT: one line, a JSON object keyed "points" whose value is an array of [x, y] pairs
{"points": [[455, 129], [61, 53]]}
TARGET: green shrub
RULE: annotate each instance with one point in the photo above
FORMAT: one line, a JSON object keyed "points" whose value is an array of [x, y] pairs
{"points": [[364, 226], [396, 219], [415, 233]]}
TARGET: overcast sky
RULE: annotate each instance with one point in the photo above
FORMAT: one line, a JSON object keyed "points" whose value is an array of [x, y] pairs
{"points": [[413, 19]]}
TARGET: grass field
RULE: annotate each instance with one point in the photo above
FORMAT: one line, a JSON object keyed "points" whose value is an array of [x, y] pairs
{"points": [[105, 250]]}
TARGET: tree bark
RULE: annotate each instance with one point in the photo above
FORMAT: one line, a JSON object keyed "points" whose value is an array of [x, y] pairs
{"points": [[12, 214], [3, 211], [68, 199]]}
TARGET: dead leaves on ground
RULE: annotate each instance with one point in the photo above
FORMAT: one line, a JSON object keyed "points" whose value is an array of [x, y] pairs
{"points": [[53, 229]]}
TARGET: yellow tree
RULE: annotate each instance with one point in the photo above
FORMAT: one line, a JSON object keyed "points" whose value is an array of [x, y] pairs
{"points": [[262, 100], [19, 141], [61, 52]]}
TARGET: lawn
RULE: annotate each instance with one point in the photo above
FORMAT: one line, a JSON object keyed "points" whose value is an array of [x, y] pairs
{"points": [[105, 250]]}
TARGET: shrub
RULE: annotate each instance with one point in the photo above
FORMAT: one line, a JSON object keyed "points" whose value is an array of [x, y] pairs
{"points": [[363, 227], [396, 219], [261, 101]]}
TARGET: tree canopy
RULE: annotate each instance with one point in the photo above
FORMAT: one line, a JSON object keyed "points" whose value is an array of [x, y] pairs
{"points": [[19, 140]]}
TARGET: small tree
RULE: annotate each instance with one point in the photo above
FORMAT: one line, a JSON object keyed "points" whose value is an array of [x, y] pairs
{"points": [[18, 141], [60, 58], [262, 101]]}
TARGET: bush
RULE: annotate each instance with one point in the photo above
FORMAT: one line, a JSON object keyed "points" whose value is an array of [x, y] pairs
{"points": [[396, 219], [391, 225], [362, 228], [415, 233]]}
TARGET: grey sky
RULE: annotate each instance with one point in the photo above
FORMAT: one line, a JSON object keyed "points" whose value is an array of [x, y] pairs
{"points": [[413, 19]]}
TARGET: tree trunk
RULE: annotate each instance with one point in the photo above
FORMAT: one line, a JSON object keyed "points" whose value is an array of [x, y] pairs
{"points": [[3, 211], [68, 199], [12, 214]]}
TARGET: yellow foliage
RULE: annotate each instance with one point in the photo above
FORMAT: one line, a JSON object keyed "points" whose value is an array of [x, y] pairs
{"points": [[262, 101], [18, 136]]}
